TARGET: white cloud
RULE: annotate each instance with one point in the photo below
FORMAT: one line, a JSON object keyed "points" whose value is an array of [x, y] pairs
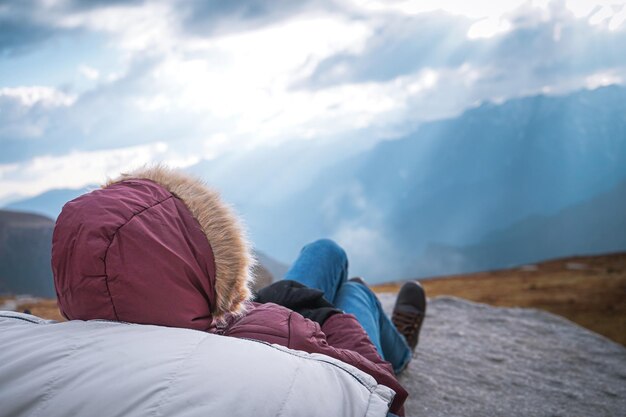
{"points": [[89, 72], [245, 80], [372, 254], [610, 17], [253, 96], [215, 145], [585, 8], [136, 27], [25, 112], [241, 85], [488, 27], [474, 9], [158, 102], [603, 78], [243, 90], [496, 12], [248, 69], [30, 96], [81, 168]]}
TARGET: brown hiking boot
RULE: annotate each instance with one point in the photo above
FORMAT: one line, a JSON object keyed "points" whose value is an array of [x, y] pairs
{"points": [[409, 312]]}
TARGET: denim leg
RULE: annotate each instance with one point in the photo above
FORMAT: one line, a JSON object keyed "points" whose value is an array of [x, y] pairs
{"points": [[323, 265], [395, 348], [358, 299]]}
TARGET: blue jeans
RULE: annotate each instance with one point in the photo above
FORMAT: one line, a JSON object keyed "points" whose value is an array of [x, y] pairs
{"points": [[324, 265]]}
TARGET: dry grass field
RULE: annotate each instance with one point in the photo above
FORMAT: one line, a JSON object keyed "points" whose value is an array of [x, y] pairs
{"points": [[41, 307], [588, 290]]}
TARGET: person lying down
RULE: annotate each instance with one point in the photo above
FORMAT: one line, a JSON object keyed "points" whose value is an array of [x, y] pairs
{"points": [[156, 246]]}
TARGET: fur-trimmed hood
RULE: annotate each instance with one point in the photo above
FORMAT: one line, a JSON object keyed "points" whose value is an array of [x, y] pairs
{"points": [[156, 246], [231, 248]]}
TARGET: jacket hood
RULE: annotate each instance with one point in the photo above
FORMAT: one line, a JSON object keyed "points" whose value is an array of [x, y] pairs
{"points": [[153, 246]]}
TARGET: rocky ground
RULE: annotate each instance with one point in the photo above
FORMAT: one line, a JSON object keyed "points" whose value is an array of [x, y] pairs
{"points": [[478, 360]]}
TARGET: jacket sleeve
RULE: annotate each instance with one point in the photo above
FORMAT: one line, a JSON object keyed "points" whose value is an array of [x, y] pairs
{"points": [[352, 346], [344, 331]]}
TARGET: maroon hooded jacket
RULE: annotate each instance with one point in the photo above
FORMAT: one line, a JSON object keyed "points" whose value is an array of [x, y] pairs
{"points": [[158, 247]]}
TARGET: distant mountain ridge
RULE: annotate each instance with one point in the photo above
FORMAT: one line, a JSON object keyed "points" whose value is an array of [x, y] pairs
{"points": [[595, 226], [25, 247], [448, 186], [49, 203], [453, 182]]}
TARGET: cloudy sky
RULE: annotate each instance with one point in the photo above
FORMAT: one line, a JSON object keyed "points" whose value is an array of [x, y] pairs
{"points": [[90, 88]]}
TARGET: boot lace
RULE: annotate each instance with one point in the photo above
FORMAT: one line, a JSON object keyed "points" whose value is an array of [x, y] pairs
{"points": [[408, 324]]}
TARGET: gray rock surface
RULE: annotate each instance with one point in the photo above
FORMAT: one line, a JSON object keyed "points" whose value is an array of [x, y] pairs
{"points": [[478, 360]]}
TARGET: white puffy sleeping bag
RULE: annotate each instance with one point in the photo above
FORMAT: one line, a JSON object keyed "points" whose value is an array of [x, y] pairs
{"points": [[101, 368]]}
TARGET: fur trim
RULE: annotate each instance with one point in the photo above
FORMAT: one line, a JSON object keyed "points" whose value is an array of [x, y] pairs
{"points": [[231, 249]]}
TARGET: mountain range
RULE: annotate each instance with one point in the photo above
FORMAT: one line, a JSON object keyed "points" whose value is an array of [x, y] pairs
{"points": [[500, 184], [25, 245], [50, 202], [594, 226], [457, 182]]}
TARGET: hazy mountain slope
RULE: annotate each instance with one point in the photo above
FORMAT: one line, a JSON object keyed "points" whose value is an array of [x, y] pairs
{"points": [[448, 184], [594, 226], [275, 268], [25, 245], [497, 164], [454, 181], [267, 176], [266, 271], [49, 203]]}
